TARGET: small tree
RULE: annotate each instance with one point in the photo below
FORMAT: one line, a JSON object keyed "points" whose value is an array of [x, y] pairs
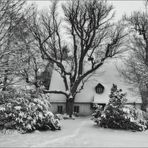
{"points": [[93, 39]]}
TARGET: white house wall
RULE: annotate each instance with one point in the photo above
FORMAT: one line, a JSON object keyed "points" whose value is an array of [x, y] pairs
{"points": [[84, 108]]}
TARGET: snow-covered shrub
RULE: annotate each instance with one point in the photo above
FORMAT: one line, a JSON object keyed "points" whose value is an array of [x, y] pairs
{"points": [[27, 114], [145, 115], [97, 113], [119, 116], [7, 96], [59, 116]]}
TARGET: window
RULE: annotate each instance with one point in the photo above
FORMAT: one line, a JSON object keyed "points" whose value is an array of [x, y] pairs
{"points": [[99, 88], [76, 109], [60, 109]]}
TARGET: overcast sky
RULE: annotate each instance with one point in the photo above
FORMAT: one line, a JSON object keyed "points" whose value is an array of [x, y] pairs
{"points": [[121, 6]]}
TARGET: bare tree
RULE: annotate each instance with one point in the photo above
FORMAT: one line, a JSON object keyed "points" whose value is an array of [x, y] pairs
{"points": [[136, 70], [10, 15], [30, 65], [146, 4], [92, 36]]}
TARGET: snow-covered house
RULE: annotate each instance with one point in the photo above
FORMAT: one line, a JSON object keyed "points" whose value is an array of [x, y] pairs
{"points": [[96, 90]]}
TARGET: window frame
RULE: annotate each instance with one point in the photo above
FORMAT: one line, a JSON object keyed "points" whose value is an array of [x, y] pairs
{"points": [[60, 109], [76, 109], [99, 89]]}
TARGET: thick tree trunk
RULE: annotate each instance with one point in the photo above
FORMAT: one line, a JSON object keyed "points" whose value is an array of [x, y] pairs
{"points": [[144, 106], [146, 51], [69, 106], [146, 60], [144, 96], [71, 98], [5, 82]]}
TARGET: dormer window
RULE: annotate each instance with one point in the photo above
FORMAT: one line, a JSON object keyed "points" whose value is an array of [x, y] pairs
{"points": [[99, 89]]}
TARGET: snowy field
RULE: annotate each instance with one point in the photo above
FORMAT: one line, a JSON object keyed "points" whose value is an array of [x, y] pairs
{"points": [[79, 132]]}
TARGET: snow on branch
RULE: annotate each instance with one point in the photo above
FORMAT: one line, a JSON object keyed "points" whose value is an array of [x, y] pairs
{"points": [[55, 92]]}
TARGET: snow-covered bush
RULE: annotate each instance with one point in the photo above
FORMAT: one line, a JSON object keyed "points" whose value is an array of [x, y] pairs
{"points": [[97, 113], [119, 116], [27, 114], [7, 96], [59, 116]]}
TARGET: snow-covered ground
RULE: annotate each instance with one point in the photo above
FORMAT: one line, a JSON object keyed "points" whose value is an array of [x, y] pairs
{"points": [[80, 132]]}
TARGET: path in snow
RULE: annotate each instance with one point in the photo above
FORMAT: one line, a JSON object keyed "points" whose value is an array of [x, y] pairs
{"points": [[79, 132]]}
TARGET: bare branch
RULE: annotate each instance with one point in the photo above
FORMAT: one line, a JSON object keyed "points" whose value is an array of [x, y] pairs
{"points": [[55, 92]]}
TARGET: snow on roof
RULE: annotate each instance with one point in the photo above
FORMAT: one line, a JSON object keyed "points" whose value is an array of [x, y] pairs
{"points": [[56, 84], [111, 76], [104, 98], [106, 75]]}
